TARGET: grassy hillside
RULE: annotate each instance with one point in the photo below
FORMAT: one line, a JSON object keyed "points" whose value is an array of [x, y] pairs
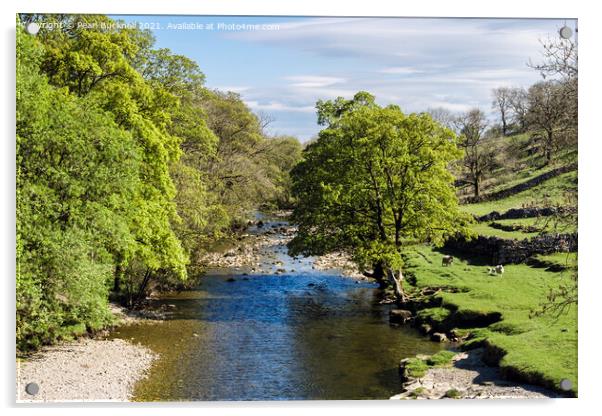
{"points": [[499, 310], [542, 349], [552, 191], [525, 228]]}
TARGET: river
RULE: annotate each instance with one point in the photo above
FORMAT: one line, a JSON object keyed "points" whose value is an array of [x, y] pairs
{"points": [[299, 335]]}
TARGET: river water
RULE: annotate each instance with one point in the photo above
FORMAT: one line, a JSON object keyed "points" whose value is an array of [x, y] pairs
{"points": [[299, 335]]}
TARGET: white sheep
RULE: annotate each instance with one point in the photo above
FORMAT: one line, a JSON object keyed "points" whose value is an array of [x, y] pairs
{"points": [[492, 271]]}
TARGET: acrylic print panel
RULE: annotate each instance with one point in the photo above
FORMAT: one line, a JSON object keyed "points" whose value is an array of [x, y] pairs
{"points": [[295, 208]]}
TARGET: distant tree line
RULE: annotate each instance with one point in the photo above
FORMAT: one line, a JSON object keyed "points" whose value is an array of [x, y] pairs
{"points": [[127, 166], [546, 111]]}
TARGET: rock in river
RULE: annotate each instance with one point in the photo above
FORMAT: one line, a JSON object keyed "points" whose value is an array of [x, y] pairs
{"points": [[399, 316]]}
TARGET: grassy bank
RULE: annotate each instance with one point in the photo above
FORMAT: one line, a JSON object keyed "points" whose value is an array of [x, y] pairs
{"points": [[497, 311], [551, 191]]}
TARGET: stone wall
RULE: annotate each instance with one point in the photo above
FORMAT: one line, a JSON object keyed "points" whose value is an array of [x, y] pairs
{"points": [[515, 213], [501, 251]]}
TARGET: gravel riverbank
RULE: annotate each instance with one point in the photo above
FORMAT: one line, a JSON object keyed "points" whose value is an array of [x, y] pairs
{"points": [[469, 378], [86, 370]]}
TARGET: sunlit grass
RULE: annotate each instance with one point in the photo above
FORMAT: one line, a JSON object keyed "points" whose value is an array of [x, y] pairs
{"points": [[542, 349], [551, 191]]}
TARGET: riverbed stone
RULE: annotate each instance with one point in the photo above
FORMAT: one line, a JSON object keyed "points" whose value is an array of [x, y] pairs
{"points": [[439, 337], [399, 316]]}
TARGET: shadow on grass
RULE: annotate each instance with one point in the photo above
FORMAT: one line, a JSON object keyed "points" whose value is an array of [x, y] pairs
{"points": [[469, 258]]}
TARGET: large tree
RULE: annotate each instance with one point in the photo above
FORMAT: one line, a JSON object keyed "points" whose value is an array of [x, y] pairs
{"points": [[502, 103], [375, 180], [548, 114], [553, 103], [519, 107], [479, 156]]}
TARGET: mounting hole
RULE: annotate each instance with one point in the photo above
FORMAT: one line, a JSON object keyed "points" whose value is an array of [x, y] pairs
{"points": [[32, 388], [565, 32], [566, 384], [33, 28]]}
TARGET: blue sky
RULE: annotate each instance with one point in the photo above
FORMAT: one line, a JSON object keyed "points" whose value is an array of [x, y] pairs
{"points": [[284, 68]]}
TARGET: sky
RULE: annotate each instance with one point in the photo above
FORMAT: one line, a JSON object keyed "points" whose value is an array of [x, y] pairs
{"points": [[281, 66]]}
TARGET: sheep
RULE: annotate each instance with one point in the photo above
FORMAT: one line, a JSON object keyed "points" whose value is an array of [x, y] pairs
{"points": [[499, 269], [447, 261]]}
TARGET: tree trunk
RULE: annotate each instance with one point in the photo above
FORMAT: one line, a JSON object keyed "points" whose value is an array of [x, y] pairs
{"points": [[143, 285], [379, 274], [476, 187], [548, 147], [117, 280], [397, 282]]}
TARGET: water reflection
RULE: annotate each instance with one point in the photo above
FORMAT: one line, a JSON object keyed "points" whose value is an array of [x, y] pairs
{"points": [[302, 335]]}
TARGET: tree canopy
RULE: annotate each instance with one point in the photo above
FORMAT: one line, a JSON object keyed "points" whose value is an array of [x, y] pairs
{"points": [[374, 180], [127, 166]]}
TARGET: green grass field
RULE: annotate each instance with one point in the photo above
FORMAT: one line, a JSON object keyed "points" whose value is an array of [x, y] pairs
{"points": [[543, 349], [543, 225], [551, 191], [514, 179]]}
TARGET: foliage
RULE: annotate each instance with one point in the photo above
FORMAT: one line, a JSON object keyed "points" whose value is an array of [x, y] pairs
{"points": [[374, 179], [75, 172], [247, 169], [453, 394], [127, 166]]}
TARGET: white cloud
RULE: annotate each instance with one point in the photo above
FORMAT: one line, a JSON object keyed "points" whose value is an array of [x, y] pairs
{"points": [[232, 88], [313, 81], [401, 70], [277, 106], [415, 63]]}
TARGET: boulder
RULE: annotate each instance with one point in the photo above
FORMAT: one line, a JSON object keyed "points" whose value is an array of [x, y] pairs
{"points": [[438, 337], [425, 329], [399, 316]]}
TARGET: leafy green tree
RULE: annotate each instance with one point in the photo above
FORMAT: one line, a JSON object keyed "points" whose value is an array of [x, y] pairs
{"points": [[375, 180], [126, 167], [76, 173], [97, 62], [283, 155], [237, 173]]}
